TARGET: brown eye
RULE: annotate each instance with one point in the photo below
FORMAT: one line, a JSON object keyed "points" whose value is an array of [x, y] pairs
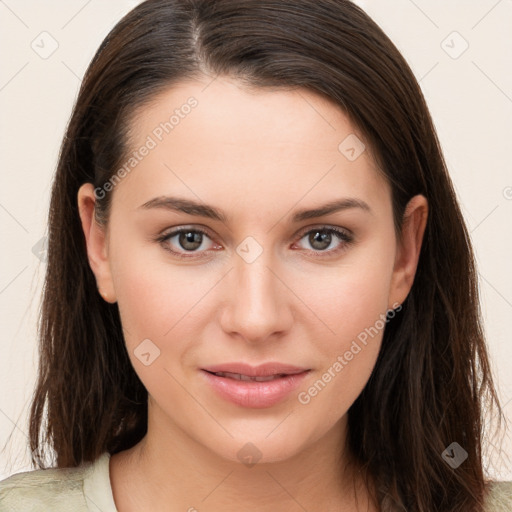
{"points": [[190, 240], [186, 240], [320, 239]]}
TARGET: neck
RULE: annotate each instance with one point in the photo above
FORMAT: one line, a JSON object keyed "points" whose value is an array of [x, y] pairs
{"points": [[170, 469]]}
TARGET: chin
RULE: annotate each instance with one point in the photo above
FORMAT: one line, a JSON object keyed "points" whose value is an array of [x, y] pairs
{"points": [[258, 449]]}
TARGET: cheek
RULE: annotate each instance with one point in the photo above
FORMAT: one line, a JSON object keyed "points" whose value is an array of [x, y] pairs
{"points": [[352, 297], [156, 301], [161, 301], [353, 304], [151, 295]]}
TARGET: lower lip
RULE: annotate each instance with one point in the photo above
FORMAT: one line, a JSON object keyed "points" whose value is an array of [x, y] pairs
{"points": [[257, 395]]}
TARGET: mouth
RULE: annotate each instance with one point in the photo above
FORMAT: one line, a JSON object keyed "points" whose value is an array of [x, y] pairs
{"points": [[272, 369], [254, 386], [248, 378]]}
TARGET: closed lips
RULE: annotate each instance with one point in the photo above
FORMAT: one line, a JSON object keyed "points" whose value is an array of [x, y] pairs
{"points": [[244, 371], [239, 376], [255, 386]]}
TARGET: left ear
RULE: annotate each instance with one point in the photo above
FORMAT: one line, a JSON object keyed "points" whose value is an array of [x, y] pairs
{"points": [[408, 251]]}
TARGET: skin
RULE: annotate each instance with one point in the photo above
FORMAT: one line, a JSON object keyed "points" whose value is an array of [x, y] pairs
{"points": [[258, 156]]}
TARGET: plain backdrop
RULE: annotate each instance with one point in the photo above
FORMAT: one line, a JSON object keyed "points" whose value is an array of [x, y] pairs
{"points": [[460, 51]]}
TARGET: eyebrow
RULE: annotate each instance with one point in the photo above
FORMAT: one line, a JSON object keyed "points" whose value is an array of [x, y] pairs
{"points": [[191, 207]]}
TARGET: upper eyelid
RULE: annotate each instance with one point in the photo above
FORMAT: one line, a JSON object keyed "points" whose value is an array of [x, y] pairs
{"points": [[170, 232], [301, 232], [166, 235], [319, 227]]}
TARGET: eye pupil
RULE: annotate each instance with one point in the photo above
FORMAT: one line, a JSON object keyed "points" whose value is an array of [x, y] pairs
{"points": [[322, 238], [190, 237]]}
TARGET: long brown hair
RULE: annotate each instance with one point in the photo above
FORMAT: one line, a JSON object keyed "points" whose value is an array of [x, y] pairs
{"points": [[432, 380]]}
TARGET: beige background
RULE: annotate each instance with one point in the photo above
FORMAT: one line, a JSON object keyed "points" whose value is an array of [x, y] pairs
{"points": [[469, 91]]}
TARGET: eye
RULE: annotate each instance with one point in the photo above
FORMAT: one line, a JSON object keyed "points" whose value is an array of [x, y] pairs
{"points": [[192, 240], [187, 240], [321, 238]]}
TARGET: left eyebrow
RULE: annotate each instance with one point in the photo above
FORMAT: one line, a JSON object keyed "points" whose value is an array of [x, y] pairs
{"points": [[332, 207], [192, 207]]}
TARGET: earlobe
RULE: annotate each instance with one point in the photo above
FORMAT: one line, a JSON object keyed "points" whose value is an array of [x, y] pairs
{"points": [[408, 250], [96, 242]]}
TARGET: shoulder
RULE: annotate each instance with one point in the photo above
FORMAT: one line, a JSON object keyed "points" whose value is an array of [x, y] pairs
{"points": [[44, 489], [499, 498], [57, 489]]}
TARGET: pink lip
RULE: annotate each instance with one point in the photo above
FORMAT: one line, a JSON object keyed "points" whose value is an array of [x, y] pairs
{"points": [[255, 394]]}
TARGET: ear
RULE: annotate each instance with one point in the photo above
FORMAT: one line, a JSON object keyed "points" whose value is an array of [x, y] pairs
{"points": [[408, 250], [96, 241]]}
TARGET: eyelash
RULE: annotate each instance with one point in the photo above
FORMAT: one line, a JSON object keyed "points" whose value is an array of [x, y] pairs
{"points": [[340, 234]]}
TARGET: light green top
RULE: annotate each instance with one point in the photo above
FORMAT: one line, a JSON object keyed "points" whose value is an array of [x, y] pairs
{"points": [[87, 489], [82, 489]]}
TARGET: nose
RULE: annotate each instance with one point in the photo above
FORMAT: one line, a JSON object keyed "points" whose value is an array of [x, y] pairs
{"points": [[257, 303]]}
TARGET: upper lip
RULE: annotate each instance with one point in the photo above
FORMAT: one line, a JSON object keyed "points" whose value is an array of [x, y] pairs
{"points": [[262, 370]]}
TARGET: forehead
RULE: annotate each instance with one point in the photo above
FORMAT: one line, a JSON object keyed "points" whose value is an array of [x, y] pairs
{"points": [[215, 137], [227, 112]]}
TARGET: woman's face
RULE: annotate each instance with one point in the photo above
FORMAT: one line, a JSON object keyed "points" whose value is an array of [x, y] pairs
{"points": [[256, 280]]}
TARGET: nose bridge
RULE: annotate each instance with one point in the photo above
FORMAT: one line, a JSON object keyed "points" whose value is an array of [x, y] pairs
{"points": [[255, 281], [257, 303]]}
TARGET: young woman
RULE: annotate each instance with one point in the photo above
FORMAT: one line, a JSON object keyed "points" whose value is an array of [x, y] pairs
{"points": [[260, 291]]}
